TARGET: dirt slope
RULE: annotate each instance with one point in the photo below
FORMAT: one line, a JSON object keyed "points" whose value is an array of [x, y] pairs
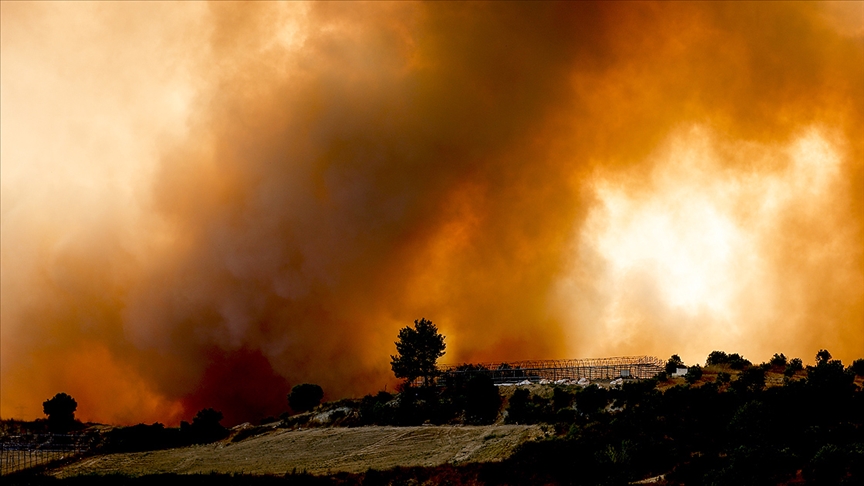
{"points": [[321, 450]]}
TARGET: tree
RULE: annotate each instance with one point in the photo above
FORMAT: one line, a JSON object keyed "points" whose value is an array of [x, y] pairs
{"points": [[857, 367], [716, 358], [305, 397], [738, 362], [795, 364], [418, 350], [60, 411], [673, 364], [694, 373], [823, 356], [778, 360], [205, 427]]}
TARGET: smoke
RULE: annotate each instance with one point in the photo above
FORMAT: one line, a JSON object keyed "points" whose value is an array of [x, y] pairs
{"points": [[203, 205]]}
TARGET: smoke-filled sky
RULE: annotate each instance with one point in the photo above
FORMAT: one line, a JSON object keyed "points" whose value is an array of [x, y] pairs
{"points": [[206, 204]]}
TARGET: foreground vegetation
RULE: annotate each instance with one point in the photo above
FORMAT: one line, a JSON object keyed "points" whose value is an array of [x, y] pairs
{"points": [[731, 422]]}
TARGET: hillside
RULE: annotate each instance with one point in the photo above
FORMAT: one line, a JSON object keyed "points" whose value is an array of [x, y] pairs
{"points": [[321, 451]]}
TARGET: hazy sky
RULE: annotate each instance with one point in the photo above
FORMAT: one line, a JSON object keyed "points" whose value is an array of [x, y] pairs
{"points": [[205, 204]]}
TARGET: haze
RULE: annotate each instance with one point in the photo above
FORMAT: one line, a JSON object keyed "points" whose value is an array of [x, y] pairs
{"points": [[205, 204]]}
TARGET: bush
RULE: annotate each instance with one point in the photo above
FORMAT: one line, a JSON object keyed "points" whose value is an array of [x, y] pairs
{"points": [[305, 397], [693, 374], [857, 367], [716, 358], [778, 360], [517, 408], [738, 362], [205, 427], [375, 409], [795, 364], [591, 399], [673, 364], [723, 377], [482, 401], [823, 356], [751, 379], [829, 376], [142, 437]]}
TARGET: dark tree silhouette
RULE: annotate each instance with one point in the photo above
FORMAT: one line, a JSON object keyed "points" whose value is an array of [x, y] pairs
{"points": [[823, 356], [694, 373], [778, 360], [205, 427], [61, 412], [857, 367], [418, 350], [795, 364], [716, 358], [305, 397], [673, 364]]}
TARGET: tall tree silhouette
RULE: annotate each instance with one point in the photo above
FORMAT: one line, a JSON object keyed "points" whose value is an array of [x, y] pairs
{"points": [[418, 350]]}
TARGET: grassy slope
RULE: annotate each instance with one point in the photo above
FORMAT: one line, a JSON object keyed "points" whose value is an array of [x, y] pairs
{"points": [[321, 451]]}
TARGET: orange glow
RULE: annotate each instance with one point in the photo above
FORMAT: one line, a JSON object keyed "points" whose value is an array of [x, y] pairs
{"points": [[204, 204]]}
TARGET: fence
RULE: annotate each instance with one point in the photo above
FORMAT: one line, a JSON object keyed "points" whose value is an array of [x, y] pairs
{"points": [[21, 452], [556, 369]]}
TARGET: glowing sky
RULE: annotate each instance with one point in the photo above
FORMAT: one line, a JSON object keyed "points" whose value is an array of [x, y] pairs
{"points": [[205, 204]]}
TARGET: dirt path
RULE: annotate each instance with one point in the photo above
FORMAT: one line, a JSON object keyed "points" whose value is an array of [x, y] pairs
{"points": [[319, 451]]}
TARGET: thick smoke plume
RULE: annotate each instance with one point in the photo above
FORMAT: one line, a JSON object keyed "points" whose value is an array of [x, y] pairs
{"points": [[203, 205]]}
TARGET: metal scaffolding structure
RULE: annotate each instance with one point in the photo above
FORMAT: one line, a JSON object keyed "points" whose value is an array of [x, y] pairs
{"points": [[557, 369], [24, 452]]}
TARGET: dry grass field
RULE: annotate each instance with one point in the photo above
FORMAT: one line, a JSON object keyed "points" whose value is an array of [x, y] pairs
{"points": [[320, 451]]}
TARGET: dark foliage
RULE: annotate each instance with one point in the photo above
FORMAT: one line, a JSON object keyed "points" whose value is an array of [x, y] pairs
{"points": [[305, 397], [376, 409], [481, 400], [673, 364], [795, 364], [716, 358], [418, 350], [143, 437], [694, 373], [778, 360], [61, 413], [750, 380], [709, 434], [205, 427], [738, 362], [857, 367]]}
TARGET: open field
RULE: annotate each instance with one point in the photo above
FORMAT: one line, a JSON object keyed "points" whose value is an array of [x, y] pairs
{"points": [[321, 451]]}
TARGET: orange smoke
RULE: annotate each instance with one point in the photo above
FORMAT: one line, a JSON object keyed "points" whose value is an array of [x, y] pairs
{"points": [[205, 204]]}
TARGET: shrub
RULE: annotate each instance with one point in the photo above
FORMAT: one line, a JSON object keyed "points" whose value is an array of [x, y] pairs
{"points": [[823, 356], [591, 399], [142, 437], [738, 362], [693, 374], [751, 379], [795, 364], [673, 364], [716, 358], [205, 427], [857, 367], [482, 400], [375, 409], [305, 397], [778, 360], [517, 408], [723, 377]]}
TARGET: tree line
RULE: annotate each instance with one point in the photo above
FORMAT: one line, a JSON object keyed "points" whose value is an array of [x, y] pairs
{"points": [[720, 424]]}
